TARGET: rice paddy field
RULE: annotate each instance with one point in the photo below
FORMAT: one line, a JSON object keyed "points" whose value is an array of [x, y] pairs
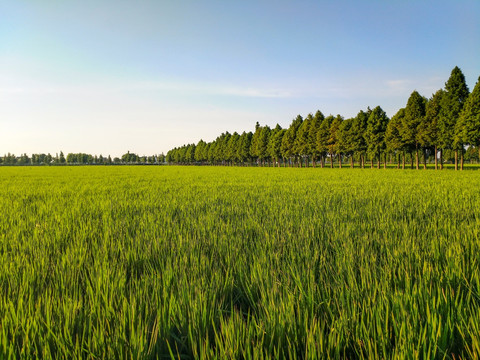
{"points": [[239, 263]]}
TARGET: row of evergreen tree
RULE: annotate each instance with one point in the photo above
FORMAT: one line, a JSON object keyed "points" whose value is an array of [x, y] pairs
{"points": [[447, 124], [80, 159]]}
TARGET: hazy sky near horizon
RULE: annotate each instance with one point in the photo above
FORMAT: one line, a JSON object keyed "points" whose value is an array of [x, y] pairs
{"points": [[107, 77]]}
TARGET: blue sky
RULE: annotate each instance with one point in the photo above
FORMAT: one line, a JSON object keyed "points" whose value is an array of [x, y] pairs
{"points": [[105, 77]]}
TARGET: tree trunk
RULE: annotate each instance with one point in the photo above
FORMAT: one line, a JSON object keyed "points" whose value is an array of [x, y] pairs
{"points": [[424, 159], [436, 160], [417, 165], [322, 161], [371, 162], [340, 161], [352, 162], [331, 160], [461, 159], [313, 162], [385, 161], [398, 161], [456, 159]]}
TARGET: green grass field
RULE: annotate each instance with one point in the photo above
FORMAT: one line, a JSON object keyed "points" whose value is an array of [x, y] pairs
{"points": [[219, 262]]}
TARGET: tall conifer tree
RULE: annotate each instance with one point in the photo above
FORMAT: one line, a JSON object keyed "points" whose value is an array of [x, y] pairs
{"points": [[375, 134], [468, 126], [456, 93]]}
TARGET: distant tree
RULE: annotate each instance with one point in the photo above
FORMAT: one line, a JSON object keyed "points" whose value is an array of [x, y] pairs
{"points": [[200, 151], [128, 158], [190, 154], [428, 130], [220, 149], [468, 129], [211, 152], [263, 144], [161, 158], [472, 154], [375, 134], [323, 137], [312, 136], [414, 114], [24, 159], [232, 146], [244, 144], [333, 144], [301, 144], [288, 141], [254, 146], [10, 159], [359, 128], [393, 138], [275, 144], [345, 140], [456, 93]]}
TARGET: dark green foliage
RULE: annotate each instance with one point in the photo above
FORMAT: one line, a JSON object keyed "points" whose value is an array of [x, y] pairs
{"points": [[302, 143], [359, 129], [346, 144], [414, 117], [312, 135], [275, 144], [456, 93], [334, 133], [232, 146], [428, 132], [200, 152], [375, 133], [393, 134], [288, 141], [468, 126], [128, 158], [254, 147], [262, 144], [323, 135], [245, 142]]}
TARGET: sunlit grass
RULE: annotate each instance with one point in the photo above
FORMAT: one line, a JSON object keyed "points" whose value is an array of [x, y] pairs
{"points": [[204, 262]]}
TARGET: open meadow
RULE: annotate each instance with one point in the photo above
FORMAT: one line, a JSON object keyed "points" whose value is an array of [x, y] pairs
{"points": [[228, 262]]}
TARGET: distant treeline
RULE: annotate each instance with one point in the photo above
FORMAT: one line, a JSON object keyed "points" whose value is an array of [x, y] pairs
{"points": [[445, 127], [80, 159]]}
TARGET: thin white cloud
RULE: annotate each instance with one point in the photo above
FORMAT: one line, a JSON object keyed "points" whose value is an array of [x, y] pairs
{"points": [[179, 87], [211, 89], [399, 84]]}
